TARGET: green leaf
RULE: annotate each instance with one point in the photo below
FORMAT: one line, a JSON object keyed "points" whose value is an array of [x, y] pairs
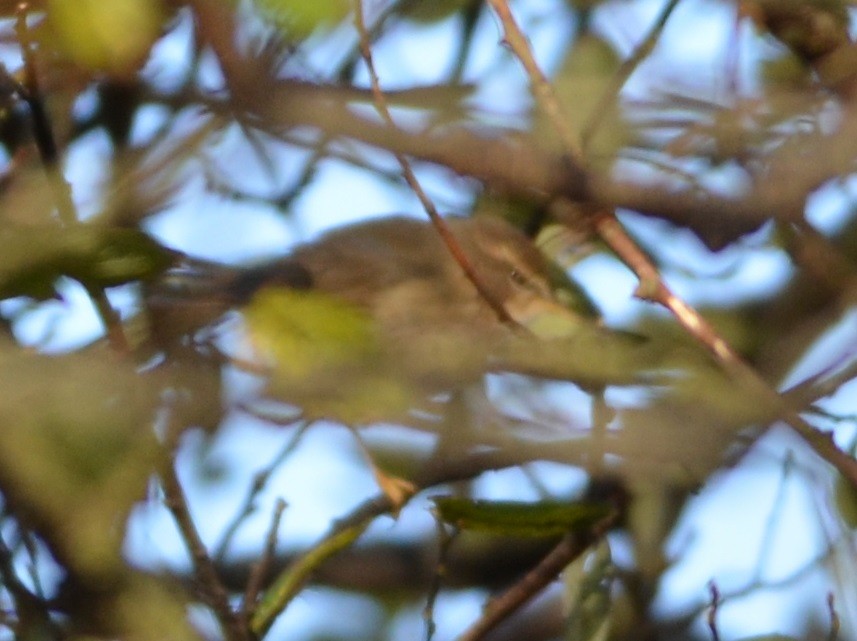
{"points": [[324, 354], [588, 581], [512, 518], [430, 11], [110, 36], [76, 450], [149, 609], [289, 582], [308, 332], [301, 18], [845, 495], [580, 84], [32, 258]]}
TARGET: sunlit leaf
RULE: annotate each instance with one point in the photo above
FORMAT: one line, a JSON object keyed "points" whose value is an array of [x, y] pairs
{"points": [[512, 518], [110, 36], [325, 355]]}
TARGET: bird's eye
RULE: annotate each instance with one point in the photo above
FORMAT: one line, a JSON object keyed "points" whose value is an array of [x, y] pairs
{"points": [[530, 282]]}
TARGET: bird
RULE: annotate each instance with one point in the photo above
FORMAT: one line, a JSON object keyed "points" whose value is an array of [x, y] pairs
{"points": [[398, 270], [431, 328]]}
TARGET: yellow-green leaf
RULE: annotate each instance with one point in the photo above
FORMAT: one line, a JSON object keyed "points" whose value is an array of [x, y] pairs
{"points": [[431, 11], [513, 518], [306, 333], [112, 36], [76, 450], [324, 355], [32, 258], [845, 496], [300, 17]]}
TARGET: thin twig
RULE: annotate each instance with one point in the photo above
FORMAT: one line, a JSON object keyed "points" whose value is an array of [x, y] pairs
{"points": [[260, 480], [514, 38], [407, 171], [712, 611], [833, 635], [211, 589], [261, 568], [289, 583], [651, 286], [567, 550]]}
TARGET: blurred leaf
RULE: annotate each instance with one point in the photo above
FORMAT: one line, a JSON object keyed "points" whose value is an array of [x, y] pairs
{"points": [[651, 517], [300, 17], [397, 489], [588, 581], [431, 11], [580, 83], [307, 332], [148, 610], [325, 356], [110, 36], [32, 258], [76, 450], [785, 71], [845, 495], [511, 518]]}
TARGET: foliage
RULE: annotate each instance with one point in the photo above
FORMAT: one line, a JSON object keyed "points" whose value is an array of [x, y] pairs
{"points": [[552, 441]]}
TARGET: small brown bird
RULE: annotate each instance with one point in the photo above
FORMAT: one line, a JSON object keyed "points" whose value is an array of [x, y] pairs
{"points": [[429, 328], [396, 269]]}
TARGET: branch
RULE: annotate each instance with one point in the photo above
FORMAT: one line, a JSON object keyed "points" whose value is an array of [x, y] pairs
{"points": [[567, 550], [212, 590], [437, 220], [651, 286]]}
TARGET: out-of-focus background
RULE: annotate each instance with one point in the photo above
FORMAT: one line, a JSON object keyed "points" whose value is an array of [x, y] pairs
{"points": [[160, 479]]}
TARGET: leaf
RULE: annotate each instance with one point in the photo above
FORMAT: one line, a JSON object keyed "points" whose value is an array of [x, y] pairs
{"points": [[300, 17], [110, 36], [433, 11], [845, 496], [324, 354], [588, 582], [148, 610], [513, 518], [580, 83], [76, 450], [288, 583], [308, 332], [33, 258]]}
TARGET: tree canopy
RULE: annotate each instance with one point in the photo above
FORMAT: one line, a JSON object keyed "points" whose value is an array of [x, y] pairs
{"points": [[634, 392]]}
